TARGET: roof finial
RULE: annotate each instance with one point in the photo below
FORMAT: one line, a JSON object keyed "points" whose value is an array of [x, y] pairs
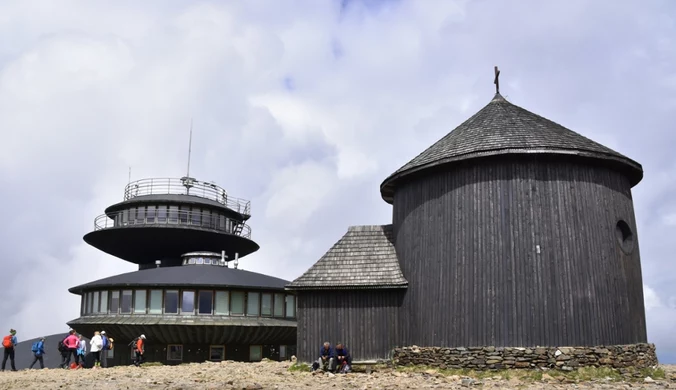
{"points": [[497, 81]]}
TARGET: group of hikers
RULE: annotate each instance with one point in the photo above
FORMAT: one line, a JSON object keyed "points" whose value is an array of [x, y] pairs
{"points": [[76, 346], [335, 360]]}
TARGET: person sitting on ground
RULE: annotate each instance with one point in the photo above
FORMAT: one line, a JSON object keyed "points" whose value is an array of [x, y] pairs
{"points": [[343, 359], [38, 350], [8, 343], [96, 346], [71, 342], [326, 361], [139, 349]]}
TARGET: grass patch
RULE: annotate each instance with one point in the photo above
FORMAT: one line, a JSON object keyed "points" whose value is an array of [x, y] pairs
{"points": [[299, 367]]}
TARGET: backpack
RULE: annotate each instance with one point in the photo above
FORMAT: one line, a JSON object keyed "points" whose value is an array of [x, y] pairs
{"points": [[62, 346], [132, 344], [35, 347], [7, 342]]}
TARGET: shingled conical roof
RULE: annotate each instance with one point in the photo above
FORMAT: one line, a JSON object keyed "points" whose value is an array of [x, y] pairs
{"points": [[504, 128]]}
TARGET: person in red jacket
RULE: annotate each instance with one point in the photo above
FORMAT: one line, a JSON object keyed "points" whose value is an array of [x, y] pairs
{"points": [[139, 349]]}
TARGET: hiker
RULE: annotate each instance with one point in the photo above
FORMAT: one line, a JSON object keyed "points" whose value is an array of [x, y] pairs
{"points": [[70, 344], [81, 349], [326, 359], [139, 344], [9, 342], [343, 359], [96, 346], [104, 351], [38, 349]]}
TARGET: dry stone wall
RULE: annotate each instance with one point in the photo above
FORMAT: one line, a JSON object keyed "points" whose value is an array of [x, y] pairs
{"points": [[563, 358]]}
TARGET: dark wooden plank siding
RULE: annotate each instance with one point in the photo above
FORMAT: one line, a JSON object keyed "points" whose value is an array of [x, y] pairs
{"points": [[467, 243], [364, 320]]}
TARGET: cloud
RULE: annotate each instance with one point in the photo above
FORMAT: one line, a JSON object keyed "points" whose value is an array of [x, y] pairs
{"points": [[304, 108]]}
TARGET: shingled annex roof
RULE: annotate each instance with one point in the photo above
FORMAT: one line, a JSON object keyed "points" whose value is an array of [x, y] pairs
{"points": [[363, 258], [504, 128]]}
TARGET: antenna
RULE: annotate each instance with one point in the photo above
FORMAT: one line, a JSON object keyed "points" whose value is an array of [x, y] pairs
{"points": [[129, 175], [189, 148]]}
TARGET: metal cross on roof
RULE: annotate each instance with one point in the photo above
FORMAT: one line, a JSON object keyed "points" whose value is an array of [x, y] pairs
{"points": [[497, 81]]}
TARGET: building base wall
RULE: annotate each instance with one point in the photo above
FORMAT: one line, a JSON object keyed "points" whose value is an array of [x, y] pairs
{"points": [[563, 358], [199, 353]]}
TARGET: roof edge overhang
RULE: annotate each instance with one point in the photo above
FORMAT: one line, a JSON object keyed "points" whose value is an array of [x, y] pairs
{"points": [[346, 287], [79, 290], [632, 169]]}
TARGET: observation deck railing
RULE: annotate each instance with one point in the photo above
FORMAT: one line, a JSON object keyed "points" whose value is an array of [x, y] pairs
{"points": [[181, 218], [186, 186]]}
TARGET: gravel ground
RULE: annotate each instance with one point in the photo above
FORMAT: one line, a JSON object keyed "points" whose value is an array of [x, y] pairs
{"points": [[276, 375]]}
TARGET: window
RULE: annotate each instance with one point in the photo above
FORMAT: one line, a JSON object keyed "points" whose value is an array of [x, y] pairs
{"points": [[206, 218], [155, 306], [196, 216], [140, 301], [290, 306], [200, 260], [252, 308], [183, 214], [221, 222], [255, 353], [114, 302], [125, 302], [173, 214], [266, 304], [624, 236], [216, 353], [282, 351], [140, 214], [125, 217], [205, 302], [88, 299], [237, 304], [104, 302], [171, 302], [222, 304], [161, 214], [95, 308], [150, 216], [279, 305], [188, 302], [175, 352]]}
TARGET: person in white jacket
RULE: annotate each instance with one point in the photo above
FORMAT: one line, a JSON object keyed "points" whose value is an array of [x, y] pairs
{"points": [[96, 345]]}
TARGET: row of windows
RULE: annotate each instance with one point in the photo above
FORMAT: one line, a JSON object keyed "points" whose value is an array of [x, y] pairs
{"points": [[216, 352], [189, 302], [184, 215]]}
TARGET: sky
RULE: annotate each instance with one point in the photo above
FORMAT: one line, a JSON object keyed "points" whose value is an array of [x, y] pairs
{"points": [[303, 107]]}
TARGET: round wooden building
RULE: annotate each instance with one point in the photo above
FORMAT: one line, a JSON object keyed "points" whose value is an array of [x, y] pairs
{"points": [[188, 299], [510, 231]]}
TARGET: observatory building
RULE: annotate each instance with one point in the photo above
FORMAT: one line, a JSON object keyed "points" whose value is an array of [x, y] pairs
{"points": [[188, 297], [510, 231]]}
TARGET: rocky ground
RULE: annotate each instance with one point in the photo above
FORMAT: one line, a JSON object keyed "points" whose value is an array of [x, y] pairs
{"points": [[274, 375]]}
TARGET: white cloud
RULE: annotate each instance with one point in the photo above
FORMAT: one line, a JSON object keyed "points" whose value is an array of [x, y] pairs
{"points": [[87, 90]]}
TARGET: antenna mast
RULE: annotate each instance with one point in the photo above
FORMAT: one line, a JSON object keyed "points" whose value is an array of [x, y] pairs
{"points": [[187, 180], [129, 175], [189, 147]]}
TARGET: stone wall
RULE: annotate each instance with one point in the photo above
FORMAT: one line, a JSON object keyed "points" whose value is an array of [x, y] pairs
{"points": [[563, 358]]}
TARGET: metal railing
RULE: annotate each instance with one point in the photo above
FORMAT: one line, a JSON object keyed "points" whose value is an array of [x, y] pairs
{"points": [[194, 219], [186, 186]]}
